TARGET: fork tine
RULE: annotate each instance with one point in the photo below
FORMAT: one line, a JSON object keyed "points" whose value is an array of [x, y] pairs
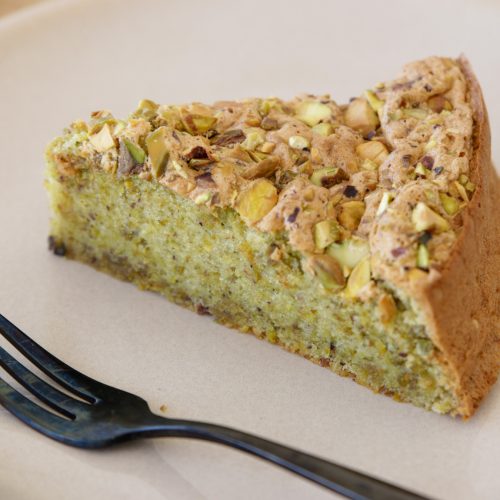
{"points": [[76, 382], [45, 392], [32, 414]]}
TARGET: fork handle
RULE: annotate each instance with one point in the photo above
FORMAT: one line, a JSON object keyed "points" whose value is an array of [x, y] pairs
{"points": [[347, 482]]}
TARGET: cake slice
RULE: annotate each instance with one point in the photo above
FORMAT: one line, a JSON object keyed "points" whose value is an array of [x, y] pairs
{"points": [[363, 236]]}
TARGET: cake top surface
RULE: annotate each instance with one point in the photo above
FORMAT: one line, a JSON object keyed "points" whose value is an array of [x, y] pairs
{"points": [[371, 189]]}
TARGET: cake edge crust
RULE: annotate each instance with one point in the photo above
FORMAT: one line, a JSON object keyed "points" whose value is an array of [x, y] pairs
{"points": [[461, 304]]}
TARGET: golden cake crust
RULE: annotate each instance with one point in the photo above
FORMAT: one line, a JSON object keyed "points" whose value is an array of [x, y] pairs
{"points": [[462, 302]]}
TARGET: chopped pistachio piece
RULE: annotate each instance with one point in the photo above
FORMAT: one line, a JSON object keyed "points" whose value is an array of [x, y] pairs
{"points": [[268, 123], [369, 165], [324, 129], [267, 147], [119, 127], [374, 151], [157, 150], [387, 197], [430, 145], [423, 257], [125, 161], [396, 115], [387, 308], [463, 179], [298, 142], [431, 195], [146, 108], [179, 169], [103, 140], [257, 155], [229, 138], [254, 137], [421, 170], [315, 155], [263, 168], [328, 176], [197, 124], [313, 112], [268, 104], [424, 218], [360, 116], [135, 150], [349, 252], [328, 270], [376, 103], [450, 204], [359, 277], [325, 233], [203, 198], [254, 202], [351, 213], [461, 190], [438, 103], [418, 113], [470, 186]]}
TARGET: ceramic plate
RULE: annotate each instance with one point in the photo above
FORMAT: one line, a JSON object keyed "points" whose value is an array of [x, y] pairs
{"points": [[62, 60]]}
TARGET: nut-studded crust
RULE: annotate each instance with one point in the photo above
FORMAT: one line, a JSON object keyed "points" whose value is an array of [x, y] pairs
{"points": [[462, 303]]}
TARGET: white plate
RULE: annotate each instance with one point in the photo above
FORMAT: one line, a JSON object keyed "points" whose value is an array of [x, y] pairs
{"points": [[59, 62]]}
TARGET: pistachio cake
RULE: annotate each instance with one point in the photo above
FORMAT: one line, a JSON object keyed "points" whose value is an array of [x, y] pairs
{"points": [[362, 236]]}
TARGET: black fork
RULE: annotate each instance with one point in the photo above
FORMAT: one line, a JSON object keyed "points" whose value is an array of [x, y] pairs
{"points": [[108, 415]]}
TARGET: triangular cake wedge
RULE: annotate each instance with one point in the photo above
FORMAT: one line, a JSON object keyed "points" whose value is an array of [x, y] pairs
{"points": [[363, 236]]}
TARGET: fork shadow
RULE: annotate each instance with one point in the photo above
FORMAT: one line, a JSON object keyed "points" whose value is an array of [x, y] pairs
{"points": [[143, 460]]}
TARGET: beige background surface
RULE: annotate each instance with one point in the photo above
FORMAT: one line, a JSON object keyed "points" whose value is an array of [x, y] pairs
{"points": [[67, 58]]}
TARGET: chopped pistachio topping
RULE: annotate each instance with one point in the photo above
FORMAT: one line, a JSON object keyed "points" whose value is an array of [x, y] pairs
{"points": [[328, 176], [375, 151], [384, 202], [424, 218], [325, 232], [351, 213], [387, 308], [359, 277], [369, 165], [179, 169], [461, 190], [257, 200], [422, 257], [198, 124], [421, 170], [158, 151], [376, 103], [254, 138], [430, 145], [267, 147], [313, 112], [324, 129], [350, 171], [103, 140], [328, 270], [135, 150], [146, 109], [360, 116], [450, 204], [418, 113], [298, 142], [203, 198], [438, 103], [349, 252]]}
